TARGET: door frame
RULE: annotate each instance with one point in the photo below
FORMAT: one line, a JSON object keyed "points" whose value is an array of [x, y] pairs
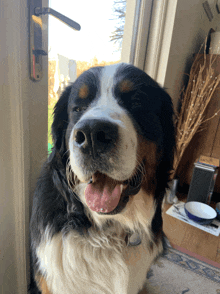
{"points": [[24, 116]]}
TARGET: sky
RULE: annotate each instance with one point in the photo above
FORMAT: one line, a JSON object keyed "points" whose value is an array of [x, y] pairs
{"points": [[92, 40]]}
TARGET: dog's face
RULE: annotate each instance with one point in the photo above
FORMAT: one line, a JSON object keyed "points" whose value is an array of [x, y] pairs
{"points": [[116, 134], [102, 138]]}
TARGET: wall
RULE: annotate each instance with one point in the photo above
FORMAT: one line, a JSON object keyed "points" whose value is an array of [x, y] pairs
{"points": [[7, 228], [190, 29], [23, 142], [10, 74]]}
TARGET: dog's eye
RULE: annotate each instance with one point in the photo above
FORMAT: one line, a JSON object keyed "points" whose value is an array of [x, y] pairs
{"points": [[78, 109]]}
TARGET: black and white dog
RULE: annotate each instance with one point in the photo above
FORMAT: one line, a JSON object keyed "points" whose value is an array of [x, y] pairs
{"points": [[96, 224]]}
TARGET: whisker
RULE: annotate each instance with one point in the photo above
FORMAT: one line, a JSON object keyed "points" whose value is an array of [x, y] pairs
{"points": [[65, 153], [140, 166], [71, 178], [143, 170], [140, 170]]}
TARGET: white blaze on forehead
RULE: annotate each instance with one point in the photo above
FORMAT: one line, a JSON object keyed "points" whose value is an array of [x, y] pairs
{"points": [[107, 80], [106, 102]]}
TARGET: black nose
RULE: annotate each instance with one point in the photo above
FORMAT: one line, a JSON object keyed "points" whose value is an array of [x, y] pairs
{"points": [[95, 136]]}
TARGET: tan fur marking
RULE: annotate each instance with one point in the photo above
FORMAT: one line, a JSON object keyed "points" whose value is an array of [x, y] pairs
{"points": [[42, 284], [126, 86], [83, 91]]}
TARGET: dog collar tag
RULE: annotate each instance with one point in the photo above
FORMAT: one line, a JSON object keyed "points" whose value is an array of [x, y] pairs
{"points": [[134, 239]]}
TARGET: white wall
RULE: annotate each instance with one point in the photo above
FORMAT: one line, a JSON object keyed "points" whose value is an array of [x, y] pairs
{"points": [[23, 142], [190, 29], [7, 228], [12, 62]]}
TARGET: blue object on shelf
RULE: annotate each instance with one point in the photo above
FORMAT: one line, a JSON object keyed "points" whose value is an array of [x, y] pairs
{"points": [[200, 212]]}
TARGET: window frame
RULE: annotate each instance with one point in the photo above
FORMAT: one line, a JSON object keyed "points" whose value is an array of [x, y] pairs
{"points": [[148, 35]]}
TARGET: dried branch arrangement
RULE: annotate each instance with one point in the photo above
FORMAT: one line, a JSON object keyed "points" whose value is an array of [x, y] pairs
{"points": [[195, 99]]}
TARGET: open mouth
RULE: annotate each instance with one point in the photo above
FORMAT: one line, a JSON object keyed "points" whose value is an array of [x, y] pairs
{"points": [[107, 196]]}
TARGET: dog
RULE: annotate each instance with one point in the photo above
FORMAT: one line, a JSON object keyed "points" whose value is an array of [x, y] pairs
{"points": [[96, 224]]}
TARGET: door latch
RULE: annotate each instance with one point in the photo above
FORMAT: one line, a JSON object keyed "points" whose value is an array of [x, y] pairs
{"points": [[35, 35]]}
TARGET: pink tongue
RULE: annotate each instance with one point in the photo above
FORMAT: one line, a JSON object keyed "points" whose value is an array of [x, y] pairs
{"points": [[103, 196]]}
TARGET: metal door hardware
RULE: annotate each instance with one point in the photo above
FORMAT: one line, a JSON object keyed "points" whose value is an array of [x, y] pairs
{"points": [[47, 10], [35, 35]]}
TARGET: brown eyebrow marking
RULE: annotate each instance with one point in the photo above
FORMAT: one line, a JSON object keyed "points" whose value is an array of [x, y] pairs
{"points": [[126, 86], [84, 91]]}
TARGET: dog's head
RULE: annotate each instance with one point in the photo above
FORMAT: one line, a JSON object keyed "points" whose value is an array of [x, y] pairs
{"points": [[115, 123]]}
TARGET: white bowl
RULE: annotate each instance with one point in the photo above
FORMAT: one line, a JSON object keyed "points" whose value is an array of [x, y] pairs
{"points": [[200, 212]]}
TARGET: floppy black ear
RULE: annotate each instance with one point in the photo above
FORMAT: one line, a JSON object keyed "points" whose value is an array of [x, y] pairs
{"points": [[165, 166], [60, 121], [167, 140], [167, 122], [155, 118]]}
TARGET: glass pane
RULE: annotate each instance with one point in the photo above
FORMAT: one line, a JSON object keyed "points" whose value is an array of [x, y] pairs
{"points": [[71, 52]]}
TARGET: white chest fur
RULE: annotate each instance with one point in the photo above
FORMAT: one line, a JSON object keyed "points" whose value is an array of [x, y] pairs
{"points": [[96, 264]]}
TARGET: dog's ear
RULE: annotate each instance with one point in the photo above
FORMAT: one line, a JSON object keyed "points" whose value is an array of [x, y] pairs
{"points": [[156, 118], [60, 121], [165, 167], [167, 122]]}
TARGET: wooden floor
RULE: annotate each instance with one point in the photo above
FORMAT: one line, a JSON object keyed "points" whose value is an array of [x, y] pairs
{"points": [[190, 238]]}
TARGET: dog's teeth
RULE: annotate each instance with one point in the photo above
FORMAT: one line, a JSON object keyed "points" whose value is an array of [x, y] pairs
{"points": [[121, 187], [90, 181]]}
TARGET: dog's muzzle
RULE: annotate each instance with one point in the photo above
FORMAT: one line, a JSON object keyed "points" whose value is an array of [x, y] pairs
{"points": [[94, 136], [99, 148]]}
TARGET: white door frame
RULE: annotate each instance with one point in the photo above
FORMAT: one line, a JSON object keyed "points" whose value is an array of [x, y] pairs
{"points": [[24, 147]]}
